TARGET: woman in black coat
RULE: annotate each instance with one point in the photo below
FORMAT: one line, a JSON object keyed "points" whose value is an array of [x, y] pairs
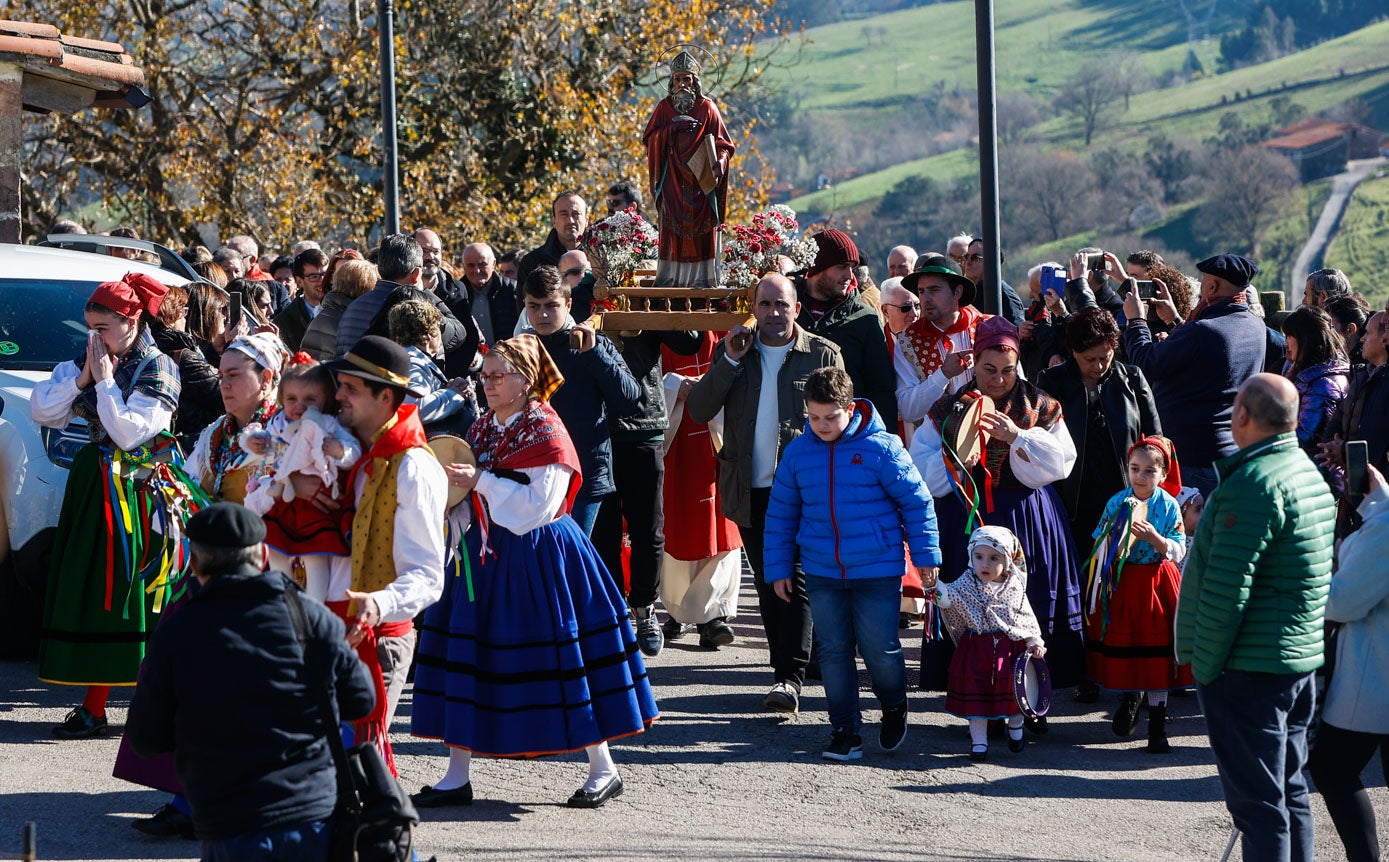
{"points": [[1108, 406]]}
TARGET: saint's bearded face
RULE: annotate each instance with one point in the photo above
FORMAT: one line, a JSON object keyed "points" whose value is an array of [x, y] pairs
{"points": [[685, 92]]}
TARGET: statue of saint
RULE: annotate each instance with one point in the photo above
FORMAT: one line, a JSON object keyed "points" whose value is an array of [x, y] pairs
{"points": [[687, 154]]}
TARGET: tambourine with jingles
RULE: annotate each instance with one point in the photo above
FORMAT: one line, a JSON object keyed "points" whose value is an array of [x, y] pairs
{"points": [[1031, 685]]}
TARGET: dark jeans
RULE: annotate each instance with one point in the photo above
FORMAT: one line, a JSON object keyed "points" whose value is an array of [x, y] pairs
{"points": [[585, 512], [787, 624], [858, 614], [1257, 724], [298, 842], [639, 471], [1338, 758]]}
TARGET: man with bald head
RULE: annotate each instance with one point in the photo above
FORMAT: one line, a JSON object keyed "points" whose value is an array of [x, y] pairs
{"points": [[757, 377], [495, 304], [1250, 618], [900, 261]]}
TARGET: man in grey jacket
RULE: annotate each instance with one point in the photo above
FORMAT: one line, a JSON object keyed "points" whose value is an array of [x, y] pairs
{"points": [[760, 418]]}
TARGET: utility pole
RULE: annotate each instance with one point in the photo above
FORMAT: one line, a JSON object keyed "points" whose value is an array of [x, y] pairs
{"points": [[988, 149], [390, 174]]}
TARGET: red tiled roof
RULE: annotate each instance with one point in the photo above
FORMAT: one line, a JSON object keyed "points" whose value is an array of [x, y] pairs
{"points": [[1305, 138], [44, 52]]}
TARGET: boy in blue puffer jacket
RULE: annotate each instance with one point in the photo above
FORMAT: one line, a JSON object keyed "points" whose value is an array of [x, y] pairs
{"points": [[846, 499]]}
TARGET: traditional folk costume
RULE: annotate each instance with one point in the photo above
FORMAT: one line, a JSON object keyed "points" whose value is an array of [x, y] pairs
{"points": [[1131, 607], [918, 354], [1011, 488], [531, 651], [121, 558], [703, 567], [303, 540], [992, 624]]}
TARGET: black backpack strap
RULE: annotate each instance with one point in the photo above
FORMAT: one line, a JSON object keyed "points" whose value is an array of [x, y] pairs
{"points": [[323, 693]]}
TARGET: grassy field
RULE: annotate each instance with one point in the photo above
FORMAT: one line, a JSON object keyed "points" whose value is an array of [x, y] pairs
{"points": [[1038, 44], [1310, 78], [1361, 246]]}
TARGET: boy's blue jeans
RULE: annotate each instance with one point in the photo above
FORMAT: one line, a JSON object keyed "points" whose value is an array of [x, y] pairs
{"points": [[298, 842], [860, 612]]}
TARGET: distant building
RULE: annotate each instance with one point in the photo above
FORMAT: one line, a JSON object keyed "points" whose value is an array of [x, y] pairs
{"points": [[1320, 148]]}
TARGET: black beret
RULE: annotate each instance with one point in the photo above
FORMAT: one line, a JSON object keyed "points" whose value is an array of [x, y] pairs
{"points": [[1237, 270], [226, 525]]}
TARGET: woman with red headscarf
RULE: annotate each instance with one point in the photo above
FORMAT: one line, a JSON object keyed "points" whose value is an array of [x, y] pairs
{"points": [[1131, 594], [118, 563], [530, 651]]}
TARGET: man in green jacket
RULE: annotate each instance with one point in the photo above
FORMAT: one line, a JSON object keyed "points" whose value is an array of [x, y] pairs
{"points": [[1249, 619]]}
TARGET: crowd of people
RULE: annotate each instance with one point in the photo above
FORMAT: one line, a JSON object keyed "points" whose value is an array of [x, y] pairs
{"points": [[1128, 473]]}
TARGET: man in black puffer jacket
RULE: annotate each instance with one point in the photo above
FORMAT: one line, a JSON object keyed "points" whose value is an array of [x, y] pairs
{"points": [[230, 690], [639, 469]]}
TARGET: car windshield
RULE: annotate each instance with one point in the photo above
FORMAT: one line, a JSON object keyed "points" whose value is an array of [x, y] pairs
{"points": [[42, 322]]}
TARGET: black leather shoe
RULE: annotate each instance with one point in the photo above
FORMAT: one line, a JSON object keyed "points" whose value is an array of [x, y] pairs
{"points": [[582, 799], [167, 822], [428, 797], [80, 724]]}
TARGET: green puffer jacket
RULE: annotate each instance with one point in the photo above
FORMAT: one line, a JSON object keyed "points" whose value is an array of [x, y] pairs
{"points": [[1254, 590]]}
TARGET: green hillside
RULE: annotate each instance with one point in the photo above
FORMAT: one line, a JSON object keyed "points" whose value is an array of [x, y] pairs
{"points": [[892, 58], [1312, 78]]}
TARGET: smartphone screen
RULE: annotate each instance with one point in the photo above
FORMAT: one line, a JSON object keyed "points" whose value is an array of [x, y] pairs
{"points": [[1095, 262], [1146, 290], [1358, 467], [234, 315]]}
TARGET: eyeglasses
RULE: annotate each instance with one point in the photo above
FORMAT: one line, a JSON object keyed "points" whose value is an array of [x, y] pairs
{"points": [[910, 306], [496, 379], [974, 257], [574, 271], [311, 276], [958, 258]]}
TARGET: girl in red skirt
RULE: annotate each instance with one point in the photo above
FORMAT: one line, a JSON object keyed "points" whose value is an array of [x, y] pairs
{"points": [[989, 618], [1134, 584], [302, 449]]}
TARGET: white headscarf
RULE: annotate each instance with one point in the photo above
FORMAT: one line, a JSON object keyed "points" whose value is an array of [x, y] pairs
{"points": [[266, 349], [972, 605]]}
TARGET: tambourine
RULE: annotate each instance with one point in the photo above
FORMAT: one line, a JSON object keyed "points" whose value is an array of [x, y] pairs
{"points": [[1031, 685], [962, 429], [453, 450]]}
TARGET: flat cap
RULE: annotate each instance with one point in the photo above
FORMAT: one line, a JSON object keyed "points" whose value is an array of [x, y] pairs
{"points": [[226, 525], [1235, 269]]}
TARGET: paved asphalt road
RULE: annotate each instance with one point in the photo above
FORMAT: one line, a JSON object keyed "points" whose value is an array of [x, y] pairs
{"points": [[718, 778]]}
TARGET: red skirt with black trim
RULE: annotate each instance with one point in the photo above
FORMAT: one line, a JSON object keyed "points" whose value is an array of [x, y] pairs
{"points": [[1135, 650], [297, 527], [981, 676]]}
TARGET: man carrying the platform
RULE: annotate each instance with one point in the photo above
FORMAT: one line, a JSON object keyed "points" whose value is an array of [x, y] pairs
{"points": [[832, 308], [757, 378], [687, 154]]}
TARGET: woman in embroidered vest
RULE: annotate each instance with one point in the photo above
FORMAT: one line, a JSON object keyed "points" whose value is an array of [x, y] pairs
{"points": [[250, 373], [114, 567], [1026, 447], [531, 650]]}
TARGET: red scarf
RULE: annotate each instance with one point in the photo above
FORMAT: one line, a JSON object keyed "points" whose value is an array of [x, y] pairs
{"points": [[926, 345], [537, 439], [402, 431]]}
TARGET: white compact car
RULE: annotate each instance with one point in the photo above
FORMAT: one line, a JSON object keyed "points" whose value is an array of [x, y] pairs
{"points": [[43, 292]]}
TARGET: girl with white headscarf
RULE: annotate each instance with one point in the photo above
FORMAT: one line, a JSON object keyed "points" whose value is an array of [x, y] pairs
{"points": [[991, 621]]}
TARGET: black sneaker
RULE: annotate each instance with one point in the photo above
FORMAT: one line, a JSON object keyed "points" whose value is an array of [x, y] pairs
{"points": [[80, 724], [167, 822], [1126, 714], [715, 633], [649, 637], [673, 629], [843, 746], [893, 728]]}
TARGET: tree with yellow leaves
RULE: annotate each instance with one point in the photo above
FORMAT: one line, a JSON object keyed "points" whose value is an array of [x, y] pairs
{"points": [[264, 114]]}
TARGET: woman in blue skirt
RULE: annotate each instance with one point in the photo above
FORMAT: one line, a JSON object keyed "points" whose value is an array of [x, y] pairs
{"points": [[1026, 447], [530, 651]]}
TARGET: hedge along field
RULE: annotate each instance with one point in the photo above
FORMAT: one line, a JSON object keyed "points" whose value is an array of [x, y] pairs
{"points": [[1361, 247]]}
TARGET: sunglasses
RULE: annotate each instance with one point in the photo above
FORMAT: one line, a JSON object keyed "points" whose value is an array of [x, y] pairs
{"points": [[573, 271], [974, 257], [910, 306]]}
